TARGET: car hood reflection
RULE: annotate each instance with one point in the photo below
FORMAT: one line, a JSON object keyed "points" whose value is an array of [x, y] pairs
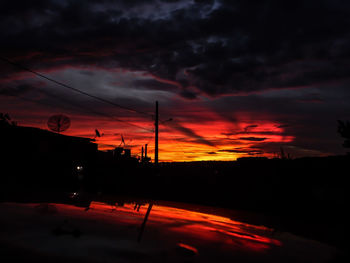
{"points": [[203, 227], [120, 231]]}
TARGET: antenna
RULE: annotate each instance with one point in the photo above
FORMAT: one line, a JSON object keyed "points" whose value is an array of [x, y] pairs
{"points": [[156, 125], [122, 141], [58, 123]]}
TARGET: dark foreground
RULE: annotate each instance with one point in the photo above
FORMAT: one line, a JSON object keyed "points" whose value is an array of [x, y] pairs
{"points": [[105, 229], [306, 197]]}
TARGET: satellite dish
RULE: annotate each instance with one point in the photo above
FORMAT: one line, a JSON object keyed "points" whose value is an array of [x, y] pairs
{"points": [[58, 123], [98, 134]]}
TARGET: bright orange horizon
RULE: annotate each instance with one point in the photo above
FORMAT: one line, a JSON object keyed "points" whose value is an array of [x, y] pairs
{"points": [[219, 145], [200, 130]]}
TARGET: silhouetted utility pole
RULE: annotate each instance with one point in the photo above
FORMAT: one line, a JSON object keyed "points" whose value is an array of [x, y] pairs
{"points": [[156, 124], [142, 154], [146, 151]]}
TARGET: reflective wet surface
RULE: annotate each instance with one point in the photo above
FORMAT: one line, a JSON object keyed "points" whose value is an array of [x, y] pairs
{"points": [[119, 231]]}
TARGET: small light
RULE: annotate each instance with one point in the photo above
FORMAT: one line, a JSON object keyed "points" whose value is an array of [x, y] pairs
{"points": [[79, 168], [73, 195]]}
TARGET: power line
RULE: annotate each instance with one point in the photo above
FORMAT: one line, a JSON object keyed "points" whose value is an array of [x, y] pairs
{"points": [[72, 88], [87, 94], [88, 109]]}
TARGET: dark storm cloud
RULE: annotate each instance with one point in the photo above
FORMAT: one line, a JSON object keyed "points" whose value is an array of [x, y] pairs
{"points": [[219, 47], [282, 126], [244, 151], [313, 125], [151, 84], [190, 133], [15, 91], [252, 139], [188, 94]]}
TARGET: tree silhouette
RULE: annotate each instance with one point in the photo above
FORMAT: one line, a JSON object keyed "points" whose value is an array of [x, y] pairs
{"points": [[5, 119], [344, 131]]}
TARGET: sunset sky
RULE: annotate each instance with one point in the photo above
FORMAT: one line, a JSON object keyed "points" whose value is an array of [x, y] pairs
{"points": [[237, 78]]}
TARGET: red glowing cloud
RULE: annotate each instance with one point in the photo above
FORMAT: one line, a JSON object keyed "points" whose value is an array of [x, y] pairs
{"points": [[195, 131]]}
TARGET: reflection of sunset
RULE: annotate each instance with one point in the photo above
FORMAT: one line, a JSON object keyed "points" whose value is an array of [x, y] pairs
{"points": [[206, 227], [188, 247], [174, 232]]}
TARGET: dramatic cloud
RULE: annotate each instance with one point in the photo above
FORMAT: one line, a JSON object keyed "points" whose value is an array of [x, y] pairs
{"points": [[190, 133], [249, 152], [252, 139], [220, 47], [15, 91], [255, 72]]}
